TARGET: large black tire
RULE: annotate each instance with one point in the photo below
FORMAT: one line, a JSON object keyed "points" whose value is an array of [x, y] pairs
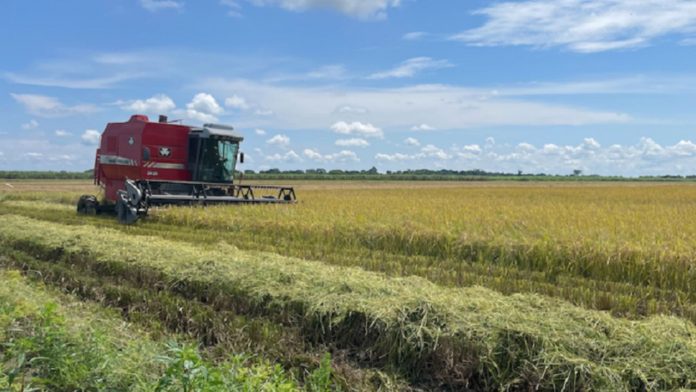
{"points": [[88, 205]]}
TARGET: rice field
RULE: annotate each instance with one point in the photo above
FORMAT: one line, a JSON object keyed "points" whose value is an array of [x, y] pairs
{"points": [[420, 285]]}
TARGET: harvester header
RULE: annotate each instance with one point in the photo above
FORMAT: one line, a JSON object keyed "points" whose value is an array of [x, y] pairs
{"points": [[140, 164]]}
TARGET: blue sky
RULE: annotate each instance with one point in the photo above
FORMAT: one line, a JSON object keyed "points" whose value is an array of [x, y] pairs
{"points": [[605, 86]]}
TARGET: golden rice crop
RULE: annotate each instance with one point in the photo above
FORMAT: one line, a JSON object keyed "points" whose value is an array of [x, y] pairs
{"points": [[620, 247], [466, 337]]}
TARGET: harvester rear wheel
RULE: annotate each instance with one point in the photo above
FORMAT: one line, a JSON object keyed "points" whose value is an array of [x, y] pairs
{"points": [[88, 205]]}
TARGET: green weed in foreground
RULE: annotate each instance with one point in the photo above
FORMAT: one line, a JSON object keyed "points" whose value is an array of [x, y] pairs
{"points": [[462, 338], [51, 342]]}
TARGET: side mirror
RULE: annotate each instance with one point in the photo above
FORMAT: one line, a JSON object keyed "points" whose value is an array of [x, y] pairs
{"points": [[241, 157]]}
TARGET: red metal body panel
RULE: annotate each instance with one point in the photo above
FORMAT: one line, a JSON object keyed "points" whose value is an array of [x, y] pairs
{"points": [[139, 149]]}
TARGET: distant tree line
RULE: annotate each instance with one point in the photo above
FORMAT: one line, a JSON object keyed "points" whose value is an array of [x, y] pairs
{"points": [[45, 175], [371, 174]]}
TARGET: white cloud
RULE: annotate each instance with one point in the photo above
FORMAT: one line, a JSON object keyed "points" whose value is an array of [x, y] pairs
{"points": [[414, 35], [411, 141], [203, 108], [32, 124], [469, 151], [157, 5], [363, 9], [236, 102], [327, 72], [591, 144], [351, 109], [91, 137], [234, 9], [312, 154], [440, 106], [422, 127], [335, 71], [97, 82], [44, 106], [432, 151], [260, 132], [411, 67], [342, 156], [263, 112], [429, 151], [647, 157], [354, 142], [394, 157], [582, 26], [357, 128], [159, 104], [290, 156], [279, 140], [62, 133]]}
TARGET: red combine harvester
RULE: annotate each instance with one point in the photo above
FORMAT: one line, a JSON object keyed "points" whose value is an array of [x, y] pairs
{"points": [[141, 164]]}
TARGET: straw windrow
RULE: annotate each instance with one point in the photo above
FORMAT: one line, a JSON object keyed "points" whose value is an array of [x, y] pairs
{"points": [[468, 337]]}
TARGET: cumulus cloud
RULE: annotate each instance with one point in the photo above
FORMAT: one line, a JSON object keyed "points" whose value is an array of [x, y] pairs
{"points": [[393, 157], [259, 131], [467, 152], [647, 157], [62, 133], [363, 9], [158, 5], [159, 104], [203, 107], [279, 140], [290, 156], [432, 151], [354, 142], [342, 156], [429, 151], [411, 141], [422, 127], [32, 124], [357, 128], [91, 137], [44, 106], [582, 26], [411, 67], [236, 102]]}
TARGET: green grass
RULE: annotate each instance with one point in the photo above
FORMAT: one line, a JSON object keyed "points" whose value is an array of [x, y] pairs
{"points": [[465, 337], [49, 341]]}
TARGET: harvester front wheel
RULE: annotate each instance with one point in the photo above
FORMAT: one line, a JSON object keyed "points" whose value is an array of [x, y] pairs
{"points": [[88, 205]]}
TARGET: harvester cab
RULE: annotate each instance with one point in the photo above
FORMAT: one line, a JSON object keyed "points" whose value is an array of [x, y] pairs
{"points": [[140, 164]]}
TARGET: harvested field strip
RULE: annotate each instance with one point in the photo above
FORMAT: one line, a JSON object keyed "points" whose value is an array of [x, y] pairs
{"points": [[220, 331], [49, 341], [625, 299], [470, 337]]}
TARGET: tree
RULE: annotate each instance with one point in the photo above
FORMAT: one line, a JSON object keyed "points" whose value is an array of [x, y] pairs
{"points": [[577, 172]]}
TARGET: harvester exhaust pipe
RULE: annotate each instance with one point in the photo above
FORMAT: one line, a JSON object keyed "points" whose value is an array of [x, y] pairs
{"points": [[163, 118]]}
